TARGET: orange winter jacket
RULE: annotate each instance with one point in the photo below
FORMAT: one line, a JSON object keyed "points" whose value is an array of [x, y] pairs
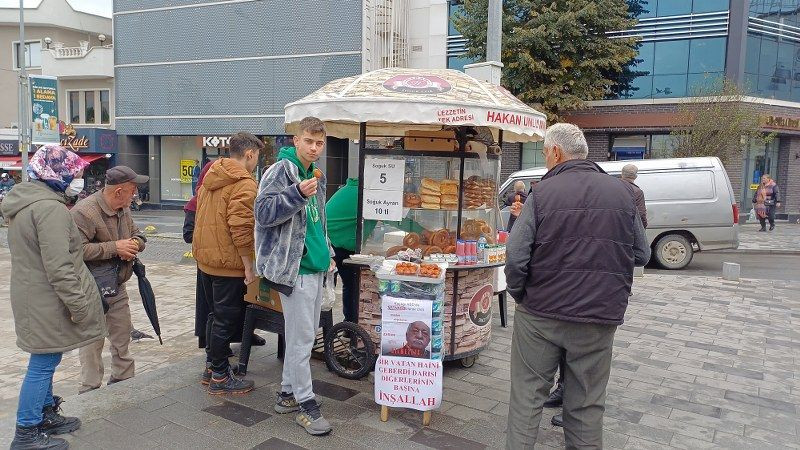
{"points": [[224, 223]]}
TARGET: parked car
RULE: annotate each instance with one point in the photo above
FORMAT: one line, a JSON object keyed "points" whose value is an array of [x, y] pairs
{"points": [[690, 205]]}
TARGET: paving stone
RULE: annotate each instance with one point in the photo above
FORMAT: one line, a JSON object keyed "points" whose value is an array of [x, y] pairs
{"points": [[156, 403], [237, 413], [333, 391], [635, 430], [186, 416], [136, 420], [760, 401], [176, 436], [472, 401], [730, 441], [713, 348], [678, 427], [441, 440], [644, 444], [117, 437], [277, 444], [752, 374], [684, 405]]}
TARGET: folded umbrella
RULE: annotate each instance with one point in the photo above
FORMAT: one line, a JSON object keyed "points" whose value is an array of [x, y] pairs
{"points": [[148, 297]]}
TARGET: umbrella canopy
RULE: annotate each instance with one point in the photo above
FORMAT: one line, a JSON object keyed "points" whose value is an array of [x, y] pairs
{"points": [[148, 297], [393, 101]]}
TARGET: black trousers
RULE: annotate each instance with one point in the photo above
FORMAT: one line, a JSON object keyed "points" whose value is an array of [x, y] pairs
{"points": [[349, 276], [224, 297], [770, 217]]}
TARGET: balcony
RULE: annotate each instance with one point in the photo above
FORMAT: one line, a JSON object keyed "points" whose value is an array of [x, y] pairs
{"points": [[80, 62]]}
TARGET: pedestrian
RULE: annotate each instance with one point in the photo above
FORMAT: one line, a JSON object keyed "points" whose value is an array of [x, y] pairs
{"points": [[196, 172], [6, 182], [223, 248], [515, 200], [202, 311], [767, 198], [629, 174], [54, 298], [570, 260], [341, 212], [111, 241], [293, 254]]}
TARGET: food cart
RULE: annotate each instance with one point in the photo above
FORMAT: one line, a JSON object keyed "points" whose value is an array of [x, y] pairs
{"points": [[429, 158]]}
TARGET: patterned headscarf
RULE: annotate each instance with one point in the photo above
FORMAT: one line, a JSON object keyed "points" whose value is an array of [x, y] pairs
{"points": [[55, 166]]}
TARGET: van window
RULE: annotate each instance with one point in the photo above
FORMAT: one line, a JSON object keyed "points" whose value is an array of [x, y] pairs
{"points": [[682, 185], [510, 188]]}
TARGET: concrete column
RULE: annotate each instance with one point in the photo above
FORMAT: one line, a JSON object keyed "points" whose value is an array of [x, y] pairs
{"points": [[737, 41], [154, 164], [791, 195]]}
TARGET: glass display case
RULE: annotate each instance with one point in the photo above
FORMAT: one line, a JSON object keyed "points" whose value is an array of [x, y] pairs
{"points": [[447, 196]]}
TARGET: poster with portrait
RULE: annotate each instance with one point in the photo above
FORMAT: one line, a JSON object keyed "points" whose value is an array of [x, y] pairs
{"points": [[406, 327]]}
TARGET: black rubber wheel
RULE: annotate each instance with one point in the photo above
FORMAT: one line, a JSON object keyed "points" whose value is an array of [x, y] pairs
{"points": [[468, 361], [349, 351], [673, 252]]}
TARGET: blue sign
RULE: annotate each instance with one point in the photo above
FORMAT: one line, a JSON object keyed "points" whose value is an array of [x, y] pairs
{"points": [[626, 153]]}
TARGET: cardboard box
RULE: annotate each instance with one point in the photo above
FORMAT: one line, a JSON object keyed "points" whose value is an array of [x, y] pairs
{"points": [[430, 140], [260, 294]]}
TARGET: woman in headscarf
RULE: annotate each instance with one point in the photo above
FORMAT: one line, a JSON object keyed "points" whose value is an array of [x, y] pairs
{"points": [[767, 198], [54, 298]]}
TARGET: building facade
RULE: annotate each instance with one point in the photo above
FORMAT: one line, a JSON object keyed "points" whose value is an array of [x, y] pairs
{"points": [[687, 48], [77, 48]]}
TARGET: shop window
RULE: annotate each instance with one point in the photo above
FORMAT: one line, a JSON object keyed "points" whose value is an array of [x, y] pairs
{"points": [[180, 155], [629, 147], [105, 115], [74, 107], [33, 54], [89, 106]]}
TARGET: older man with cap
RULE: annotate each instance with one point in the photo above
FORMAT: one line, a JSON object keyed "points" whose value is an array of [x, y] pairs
{"points": [[629, 174], [111, 241]]}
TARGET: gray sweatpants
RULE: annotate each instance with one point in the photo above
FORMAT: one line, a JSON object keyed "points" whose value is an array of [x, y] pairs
{"points": [[301, 316], [536, 347]]}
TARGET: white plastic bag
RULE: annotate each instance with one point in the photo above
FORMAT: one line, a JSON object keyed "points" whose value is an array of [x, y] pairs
{"points": [[752, 216], [328, 292]]}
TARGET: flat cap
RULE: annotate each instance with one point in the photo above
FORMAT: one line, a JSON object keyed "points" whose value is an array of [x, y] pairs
{"points": [[630, 171], [124, 174]]}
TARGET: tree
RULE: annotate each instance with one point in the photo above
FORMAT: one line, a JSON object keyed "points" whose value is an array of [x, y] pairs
{"points": [[717, 121], [556, 53]]}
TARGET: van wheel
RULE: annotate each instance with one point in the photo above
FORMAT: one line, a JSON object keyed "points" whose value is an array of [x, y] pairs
{"points": [[673, 252]]}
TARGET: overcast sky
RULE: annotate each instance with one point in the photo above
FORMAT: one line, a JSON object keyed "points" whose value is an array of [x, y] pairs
{"points": [[98, 7]]}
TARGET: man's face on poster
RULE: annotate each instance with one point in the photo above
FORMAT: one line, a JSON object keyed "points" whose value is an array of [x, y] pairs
{"points": [[418, 336]]}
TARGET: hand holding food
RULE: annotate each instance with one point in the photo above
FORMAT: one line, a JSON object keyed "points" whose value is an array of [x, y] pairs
{"points": [[308, 187], [317, 173]]}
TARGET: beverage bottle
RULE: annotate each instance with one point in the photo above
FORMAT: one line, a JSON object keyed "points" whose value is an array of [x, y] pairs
{"points": [[482, 250], [461, 252]]}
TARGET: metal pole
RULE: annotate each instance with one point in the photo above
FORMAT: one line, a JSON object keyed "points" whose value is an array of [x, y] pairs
{"points": [[24, 117], [494, 30]]}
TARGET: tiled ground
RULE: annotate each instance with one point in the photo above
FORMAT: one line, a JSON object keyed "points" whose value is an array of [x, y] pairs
{"points": [[784, 238], [699, 363]]}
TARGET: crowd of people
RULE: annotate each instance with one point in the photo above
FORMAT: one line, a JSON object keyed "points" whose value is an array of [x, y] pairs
{"points": [[575, 237]]}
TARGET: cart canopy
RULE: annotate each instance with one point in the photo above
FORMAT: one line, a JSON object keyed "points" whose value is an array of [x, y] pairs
{"points": [[396, 100]]}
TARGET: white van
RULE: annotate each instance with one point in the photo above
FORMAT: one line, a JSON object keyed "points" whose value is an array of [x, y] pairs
{"points": [[690, 205]]}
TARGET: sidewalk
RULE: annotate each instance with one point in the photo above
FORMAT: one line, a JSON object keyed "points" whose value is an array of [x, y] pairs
{"points": [[699, 363], [785, 238]]}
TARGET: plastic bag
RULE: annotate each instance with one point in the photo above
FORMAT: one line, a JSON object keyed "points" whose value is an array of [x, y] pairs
{"points": [[328, 292], [752, 216]]}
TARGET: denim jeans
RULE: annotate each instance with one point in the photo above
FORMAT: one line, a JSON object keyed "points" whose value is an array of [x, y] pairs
{"points": [[37, 388]]}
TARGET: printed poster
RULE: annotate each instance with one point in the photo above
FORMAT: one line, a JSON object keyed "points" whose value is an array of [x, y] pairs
{"points": [[406, 327], [187, 168], [44, 108], [408, 383]]}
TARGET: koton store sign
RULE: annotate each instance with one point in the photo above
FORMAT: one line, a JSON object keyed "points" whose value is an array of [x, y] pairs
{"points": [[215, 141]]}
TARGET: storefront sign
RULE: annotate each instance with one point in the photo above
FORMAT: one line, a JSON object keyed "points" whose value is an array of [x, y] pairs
{"points": [[383, 189], [44, 106], [187, 171], [72, 141], [216, 141], [9, 147], [754, 187], [480, 307], [787, 123]]}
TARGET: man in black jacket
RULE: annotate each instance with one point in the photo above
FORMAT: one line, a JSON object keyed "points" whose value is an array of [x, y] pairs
{"points": [[570, 260]]}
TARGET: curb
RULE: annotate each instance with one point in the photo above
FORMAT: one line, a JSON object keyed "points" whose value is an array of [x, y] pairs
{"points": [[758, 252]]}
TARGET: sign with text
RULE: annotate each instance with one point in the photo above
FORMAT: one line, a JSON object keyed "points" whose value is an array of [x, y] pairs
{"points": [[187, 169], [383, 188], [9, 147], [408, 383], [44, 106], [383, 205]]}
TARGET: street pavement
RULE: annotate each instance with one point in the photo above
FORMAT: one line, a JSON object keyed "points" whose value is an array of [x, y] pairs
{"points": [[699, 363]]}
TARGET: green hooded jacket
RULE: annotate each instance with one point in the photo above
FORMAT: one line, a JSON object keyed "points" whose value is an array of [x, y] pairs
{"points": [[316, 255]]}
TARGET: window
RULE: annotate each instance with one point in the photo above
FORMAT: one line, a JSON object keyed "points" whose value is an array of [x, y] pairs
{"points": [[105, 116], [33, 54], [671, 57], [532, 155], [674, 7], [694, 185], [455, 7], [704, 6], [89, 106], [707, 55], [662, 146], [75, 107]]}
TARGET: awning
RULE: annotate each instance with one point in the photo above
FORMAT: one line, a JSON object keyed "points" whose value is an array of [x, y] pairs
{"points": [[91, 157], [10, 163]]}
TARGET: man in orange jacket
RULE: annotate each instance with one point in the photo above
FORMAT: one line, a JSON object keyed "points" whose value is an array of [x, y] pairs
{"points": [[223, 247]]}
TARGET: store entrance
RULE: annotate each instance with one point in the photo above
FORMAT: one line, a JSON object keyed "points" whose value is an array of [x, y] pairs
{"points": [[760, 159], [213, 154]]}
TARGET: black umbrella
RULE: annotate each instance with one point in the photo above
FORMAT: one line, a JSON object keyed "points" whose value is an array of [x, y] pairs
{"points": [[148, 297]]}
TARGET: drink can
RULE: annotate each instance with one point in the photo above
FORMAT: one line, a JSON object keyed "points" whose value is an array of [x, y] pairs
{"points": [[502, 237], [383, 286], [472, 252], [394, 287]]}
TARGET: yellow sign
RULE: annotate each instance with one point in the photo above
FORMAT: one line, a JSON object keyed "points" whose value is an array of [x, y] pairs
{"points": [[187, 168], [753, 187]]}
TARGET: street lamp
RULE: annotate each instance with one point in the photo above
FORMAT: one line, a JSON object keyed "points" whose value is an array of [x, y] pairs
{"points": [[47, 42], [101, 38]]}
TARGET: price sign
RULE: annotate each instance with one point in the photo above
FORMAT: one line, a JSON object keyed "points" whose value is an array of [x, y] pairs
{"points": [[187, 168], [383, 205], [384, 174]]}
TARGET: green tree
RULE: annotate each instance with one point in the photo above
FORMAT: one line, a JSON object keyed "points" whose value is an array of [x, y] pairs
{"points": [[716, 121], [556, 53]]}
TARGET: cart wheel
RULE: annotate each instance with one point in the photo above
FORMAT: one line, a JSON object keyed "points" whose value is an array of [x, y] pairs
{"points": [[469, 361], [349, 351]]}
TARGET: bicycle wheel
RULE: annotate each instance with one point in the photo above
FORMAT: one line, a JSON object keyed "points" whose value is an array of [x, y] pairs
{"points": [[349, 351]]}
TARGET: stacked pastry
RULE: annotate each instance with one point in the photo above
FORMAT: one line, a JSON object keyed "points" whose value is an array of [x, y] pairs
{"points": [[449, 197], [489, 191], [473, 193], [431, 193], [411, 200]]}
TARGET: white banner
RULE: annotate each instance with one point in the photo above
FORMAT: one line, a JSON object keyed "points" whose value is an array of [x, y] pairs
{"points": [[408, 383]]}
